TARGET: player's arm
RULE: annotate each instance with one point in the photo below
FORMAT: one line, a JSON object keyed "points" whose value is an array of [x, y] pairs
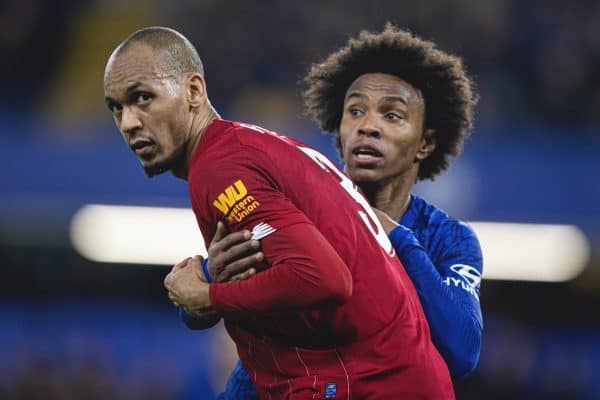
{"points": [[196, 322], [231, 256], [305, 272], [448, 291]]}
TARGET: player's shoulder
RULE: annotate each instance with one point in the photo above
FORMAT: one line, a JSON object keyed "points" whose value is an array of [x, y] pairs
{"points": [[257, 137], [223, 136], [439, 223], [229, 143], [446, 237]]}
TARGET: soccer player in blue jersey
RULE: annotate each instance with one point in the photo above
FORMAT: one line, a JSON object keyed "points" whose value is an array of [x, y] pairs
{"points": [[398, 107]]}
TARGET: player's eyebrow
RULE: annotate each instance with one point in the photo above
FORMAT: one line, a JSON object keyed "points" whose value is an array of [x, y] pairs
{"points": [[386, 99], [395, 99], [357, 95], [132, 87]]}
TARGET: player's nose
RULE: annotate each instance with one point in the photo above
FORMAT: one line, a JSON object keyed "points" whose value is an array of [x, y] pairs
{"points": [[130, 121], [369, 126]]}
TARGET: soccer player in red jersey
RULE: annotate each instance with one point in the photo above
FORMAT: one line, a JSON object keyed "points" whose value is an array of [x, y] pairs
{"points": [[332, 313]]}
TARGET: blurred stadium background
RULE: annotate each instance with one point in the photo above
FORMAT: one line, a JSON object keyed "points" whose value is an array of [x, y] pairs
{"points": [[71, 328]]}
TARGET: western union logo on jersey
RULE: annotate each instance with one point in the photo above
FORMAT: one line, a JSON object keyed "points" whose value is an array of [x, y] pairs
{"points": [[234, 200], [231, 195]]}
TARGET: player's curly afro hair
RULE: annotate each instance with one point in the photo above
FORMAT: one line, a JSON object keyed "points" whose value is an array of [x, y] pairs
{"points": [[449, 93]]}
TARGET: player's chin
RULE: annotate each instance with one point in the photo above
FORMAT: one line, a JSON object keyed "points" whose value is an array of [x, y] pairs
{"points": [[153, 168], [364, 175]]}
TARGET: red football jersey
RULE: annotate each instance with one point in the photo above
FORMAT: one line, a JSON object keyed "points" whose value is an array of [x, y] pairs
{"points": [[333, 314]]}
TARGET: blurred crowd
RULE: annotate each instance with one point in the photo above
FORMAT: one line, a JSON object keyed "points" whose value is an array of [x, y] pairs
{"points": [[534, 61]]}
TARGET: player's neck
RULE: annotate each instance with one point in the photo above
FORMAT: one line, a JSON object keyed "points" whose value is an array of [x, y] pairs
{"points": [[197, 129], [391, 196]]}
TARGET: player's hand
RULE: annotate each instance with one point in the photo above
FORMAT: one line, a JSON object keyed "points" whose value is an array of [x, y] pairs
{"points": [[387, 223], [180, 265], [232, 256], [187, 288], [177, 267]]}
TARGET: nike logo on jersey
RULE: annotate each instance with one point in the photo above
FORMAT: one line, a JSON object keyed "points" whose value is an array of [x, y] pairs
{"points": [[262, 230]]}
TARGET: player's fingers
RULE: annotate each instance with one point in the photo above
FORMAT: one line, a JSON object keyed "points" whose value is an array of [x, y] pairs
{"points": [[167, 281], [216, 247], [240, 266], [180, 264], [243, 275], [174, 299], [220, 232], [172, 276], [196, 260], [238, 251], [194, 263]]}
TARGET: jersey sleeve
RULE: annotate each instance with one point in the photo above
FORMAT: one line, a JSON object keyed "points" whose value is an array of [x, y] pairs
{"points": [[239, 385], [448, 290], [197, 324], [303, 271]]}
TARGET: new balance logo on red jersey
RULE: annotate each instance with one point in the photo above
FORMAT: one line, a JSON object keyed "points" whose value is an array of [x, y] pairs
{"points": [[262, 230]]}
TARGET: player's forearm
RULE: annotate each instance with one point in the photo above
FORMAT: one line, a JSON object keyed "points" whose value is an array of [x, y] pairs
{"points": [[454, 315], [453, 312], [284, 287], [306, 272], [196, 323]]}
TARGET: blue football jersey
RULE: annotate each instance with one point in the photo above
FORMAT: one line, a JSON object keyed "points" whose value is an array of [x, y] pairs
{"points": [[443, 258]]}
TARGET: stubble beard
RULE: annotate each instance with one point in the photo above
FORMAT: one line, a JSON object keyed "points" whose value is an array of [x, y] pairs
{"points": [[160, 167], [156, 169]]}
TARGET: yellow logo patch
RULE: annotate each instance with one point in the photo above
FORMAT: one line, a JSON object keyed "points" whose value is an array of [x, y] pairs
{"points": [[236, 193]]}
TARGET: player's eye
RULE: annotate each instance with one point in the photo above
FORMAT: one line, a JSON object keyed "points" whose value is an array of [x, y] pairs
{"points": [[392, 116], [143, 98], [114, 107], [355, 111]]}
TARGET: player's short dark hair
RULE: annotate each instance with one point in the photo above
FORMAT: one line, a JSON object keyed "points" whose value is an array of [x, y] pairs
{"points": [[175, 53], [449, 93]]}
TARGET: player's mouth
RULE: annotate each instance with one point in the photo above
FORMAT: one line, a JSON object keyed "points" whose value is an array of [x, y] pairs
{"points": [[366, 156], [142, 147]]}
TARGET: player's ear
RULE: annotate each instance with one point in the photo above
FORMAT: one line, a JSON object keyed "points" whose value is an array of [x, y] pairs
{"points": [[428, 144], [195, 88]]}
